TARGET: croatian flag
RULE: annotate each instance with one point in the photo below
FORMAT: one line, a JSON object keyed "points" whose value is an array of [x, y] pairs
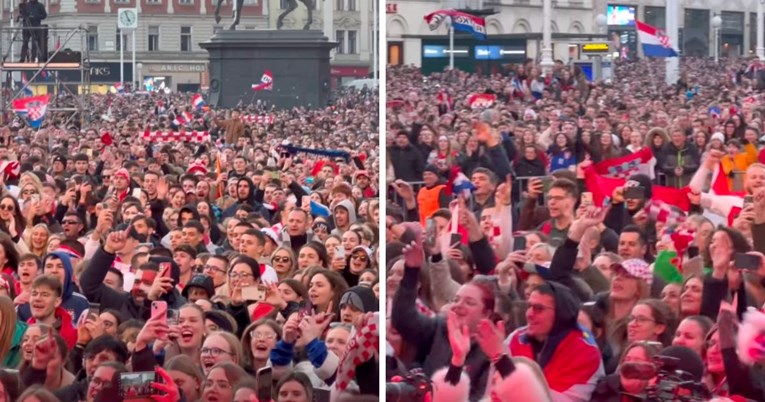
{"points": [[480, 101], [118, 88], [460, 21], [655, 41], [32, 109], [461, 185], [624, 167], [603, 187], [25, 86], [182, 119], [198, 101], [266, 82]]}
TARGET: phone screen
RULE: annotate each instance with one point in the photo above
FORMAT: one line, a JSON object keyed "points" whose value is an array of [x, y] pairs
{"points": [[747, 261], [519, 243], [94, 310], [134, 386], [265, 382], [634, 193]]}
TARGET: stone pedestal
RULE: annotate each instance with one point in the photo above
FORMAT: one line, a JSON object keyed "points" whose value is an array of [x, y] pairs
{"points": [[298, 60]]}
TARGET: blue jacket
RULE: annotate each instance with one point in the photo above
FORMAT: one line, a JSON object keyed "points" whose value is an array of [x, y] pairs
{"points": [[72, 301]]}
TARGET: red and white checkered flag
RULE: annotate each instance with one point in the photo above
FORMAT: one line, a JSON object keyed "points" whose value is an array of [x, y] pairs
{"points": [[254, 118], [187, 136], [362, 347], [662, 212]]}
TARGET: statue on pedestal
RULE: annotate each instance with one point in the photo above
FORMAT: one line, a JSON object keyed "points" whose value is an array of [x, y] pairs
{"points": [[237, 13], [310, 5]]}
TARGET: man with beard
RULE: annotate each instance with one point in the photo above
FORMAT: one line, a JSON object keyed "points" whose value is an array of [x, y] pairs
{"points": [[148, 285]]}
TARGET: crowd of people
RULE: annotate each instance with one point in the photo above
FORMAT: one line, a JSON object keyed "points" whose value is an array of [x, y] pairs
{"points": [[225, 255], [570, 240]]}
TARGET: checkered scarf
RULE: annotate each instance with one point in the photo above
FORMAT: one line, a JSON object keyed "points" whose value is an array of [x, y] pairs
{"points": [[188, 136], [660, 211], [362, 347]]}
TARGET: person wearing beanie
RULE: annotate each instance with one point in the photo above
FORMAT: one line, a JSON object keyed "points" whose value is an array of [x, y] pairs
{"points": [[432, 195], [355, 302], [406, 159], [200, 287]]}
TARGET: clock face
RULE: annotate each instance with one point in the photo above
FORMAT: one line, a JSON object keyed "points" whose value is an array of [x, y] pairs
{"points": [[127, 18]]}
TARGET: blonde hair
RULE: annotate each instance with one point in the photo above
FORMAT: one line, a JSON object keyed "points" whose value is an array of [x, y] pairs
{"points": [[233, 343], [7, 324]]}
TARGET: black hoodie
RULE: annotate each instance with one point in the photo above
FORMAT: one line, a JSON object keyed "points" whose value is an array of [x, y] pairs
{"points": [[566, 315]]}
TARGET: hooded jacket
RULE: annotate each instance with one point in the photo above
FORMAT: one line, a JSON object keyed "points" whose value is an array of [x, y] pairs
{"points": [[71, 301], [361, 297], [250, 200], [64, 326], [569, 357], [348, 206], [92, 282], [13, 357]]}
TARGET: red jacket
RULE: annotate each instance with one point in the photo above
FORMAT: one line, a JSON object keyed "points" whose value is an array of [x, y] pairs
{"points": [[574, 368], [67, 329]]}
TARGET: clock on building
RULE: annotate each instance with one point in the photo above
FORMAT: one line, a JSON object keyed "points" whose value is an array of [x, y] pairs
{"points": [[127, 18]]}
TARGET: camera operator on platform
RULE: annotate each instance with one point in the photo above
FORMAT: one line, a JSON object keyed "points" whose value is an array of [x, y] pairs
{"points": [[31, 14]]}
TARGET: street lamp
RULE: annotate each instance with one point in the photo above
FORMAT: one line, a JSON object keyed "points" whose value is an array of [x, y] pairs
{"points": [[716, 24], [600, 22], [139, 75]]}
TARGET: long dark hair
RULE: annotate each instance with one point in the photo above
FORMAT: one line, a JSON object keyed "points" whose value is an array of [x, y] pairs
{"points": [[18, 217]]}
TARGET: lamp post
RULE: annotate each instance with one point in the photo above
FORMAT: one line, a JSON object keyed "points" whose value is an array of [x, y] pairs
{"points": [[547, 51], [760, 29], [716, 24], [139, 75], [600, 23]]}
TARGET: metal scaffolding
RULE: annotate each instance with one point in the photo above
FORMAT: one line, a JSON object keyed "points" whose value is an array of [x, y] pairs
{"points": [[41, 63]]}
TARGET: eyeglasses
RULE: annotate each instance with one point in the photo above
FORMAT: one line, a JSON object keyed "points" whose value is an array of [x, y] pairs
{"points": [[98, 383], [280, 259], [209, 267], [235, 275], [70, 222], [213, 351], [640, 320], [262, 335], [361, 257], [539, 308], [8, 208]]}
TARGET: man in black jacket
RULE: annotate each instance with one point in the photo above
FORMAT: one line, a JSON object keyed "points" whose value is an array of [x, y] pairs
{"points": [[408, 161], [149, 284]]}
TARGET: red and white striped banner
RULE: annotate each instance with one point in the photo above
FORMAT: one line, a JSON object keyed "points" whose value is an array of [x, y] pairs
{"points": [[254, 118], [186, 136]]}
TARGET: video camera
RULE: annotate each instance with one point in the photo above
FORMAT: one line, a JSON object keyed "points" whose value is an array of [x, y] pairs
{"points": [[672, 384], [413, 387]]}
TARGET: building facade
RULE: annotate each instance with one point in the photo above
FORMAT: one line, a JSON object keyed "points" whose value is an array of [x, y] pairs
{"points": [[518, 23], [167, 51]]}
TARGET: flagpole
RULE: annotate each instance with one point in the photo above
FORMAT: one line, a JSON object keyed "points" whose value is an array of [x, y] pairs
{"points": [[133, 77], [122, 57], [451, 44]]}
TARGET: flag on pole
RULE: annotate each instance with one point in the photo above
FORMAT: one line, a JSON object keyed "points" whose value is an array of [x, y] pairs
{"points": [[460, 21], [182, 119], [118, 88], [655, 41], [32, 109], [198, 101], [25, 85], [266, 82]]}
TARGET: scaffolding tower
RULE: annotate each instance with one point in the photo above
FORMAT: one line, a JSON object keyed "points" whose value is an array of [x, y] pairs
{"points": [[42, 63]]}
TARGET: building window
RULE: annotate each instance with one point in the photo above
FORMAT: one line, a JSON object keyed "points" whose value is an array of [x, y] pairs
{"points": [[284, 4], [120, 1], [186, 2], [124, 40], [340, 39], [153, 38], [352, 42], [351, 5], [185, 39], [153, 1], [92, 38], [92, 1], [339, 5]]}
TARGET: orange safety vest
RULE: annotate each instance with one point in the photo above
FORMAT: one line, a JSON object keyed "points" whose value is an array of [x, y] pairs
{"points": [[427, 202]]}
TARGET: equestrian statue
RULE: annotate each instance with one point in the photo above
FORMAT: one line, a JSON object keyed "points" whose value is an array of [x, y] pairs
{"points": [[292, 5]]}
